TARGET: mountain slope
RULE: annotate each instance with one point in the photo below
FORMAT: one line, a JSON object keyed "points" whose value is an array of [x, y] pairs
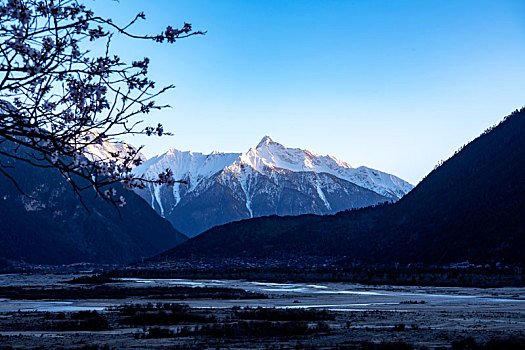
{"points": [[51, 226], [269, 179], [472, 208]]}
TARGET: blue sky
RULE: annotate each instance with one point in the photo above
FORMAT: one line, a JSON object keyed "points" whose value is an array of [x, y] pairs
{"points": [[394, 85]]}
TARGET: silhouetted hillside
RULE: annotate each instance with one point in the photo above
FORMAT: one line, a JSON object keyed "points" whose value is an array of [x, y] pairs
{"points": [[472, 207], [51, 226]]}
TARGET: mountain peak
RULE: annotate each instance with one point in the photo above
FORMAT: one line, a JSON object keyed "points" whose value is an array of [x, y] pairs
{"points": [[265, 141], [267, 179]]}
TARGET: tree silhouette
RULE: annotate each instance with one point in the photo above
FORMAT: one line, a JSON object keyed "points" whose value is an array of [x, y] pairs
{"points": [[60, 102]]}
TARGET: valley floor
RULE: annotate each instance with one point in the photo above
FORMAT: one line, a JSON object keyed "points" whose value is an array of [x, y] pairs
{"points": [[41, 311]]}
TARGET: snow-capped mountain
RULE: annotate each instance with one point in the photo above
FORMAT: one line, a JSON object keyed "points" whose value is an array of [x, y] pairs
{"points": [[273, 155], [111, 151], [268, 179]]}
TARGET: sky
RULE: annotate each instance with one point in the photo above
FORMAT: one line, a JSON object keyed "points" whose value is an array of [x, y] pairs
{"points": [[393, 85]]}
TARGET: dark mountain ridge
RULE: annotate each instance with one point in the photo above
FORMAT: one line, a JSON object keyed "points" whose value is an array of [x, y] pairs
{"points": [[471, 207], [49, 225]]}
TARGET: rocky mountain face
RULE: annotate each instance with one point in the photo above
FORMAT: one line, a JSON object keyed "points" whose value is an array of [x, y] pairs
{"points": [[269, 179], [48, 224]]}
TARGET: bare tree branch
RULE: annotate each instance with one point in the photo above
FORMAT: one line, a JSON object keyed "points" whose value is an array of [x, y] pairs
{"points": [[64, 103]]}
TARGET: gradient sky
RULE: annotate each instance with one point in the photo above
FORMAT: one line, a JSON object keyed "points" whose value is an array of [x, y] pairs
{"points": [[393, 85]]}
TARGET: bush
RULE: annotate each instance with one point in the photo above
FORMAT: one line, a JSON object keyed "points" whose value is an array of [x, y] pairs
{"points": [[82, 321], [94, 279], [272, 314], [160, 314], [156, 332], [512, 343]]}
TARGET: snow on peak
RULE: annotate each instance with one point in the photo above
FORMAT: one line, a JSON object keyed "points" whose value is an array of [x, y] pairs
{"points": [[187, 165], [271, 154], [265, 141], [267, 157], [108, 150]]}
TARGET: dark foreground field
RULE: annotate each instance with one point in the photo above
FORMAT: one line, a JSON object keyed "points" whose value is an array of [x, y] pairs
{"points": [[186, 314]]}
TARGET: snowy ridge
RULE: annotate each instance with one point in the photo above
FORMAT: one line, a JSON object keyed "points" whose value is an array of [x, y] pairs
{"points": [[272, 156], [186, 165], [269, 179], [106, 151], [269, 156]]}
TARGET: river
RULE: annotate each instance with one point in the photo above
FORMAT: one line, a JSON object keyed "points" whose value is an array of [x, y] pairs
{"points": [[333, 296]]}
